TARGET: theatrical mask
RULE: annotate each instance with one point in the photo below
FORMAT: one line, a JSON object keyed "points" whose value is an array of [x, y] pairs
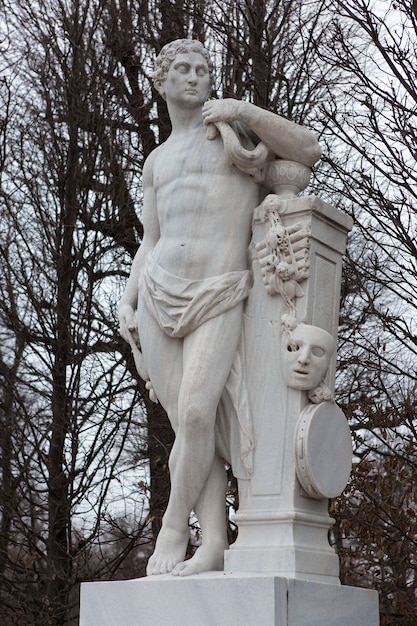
{"points": [[306, 353]]}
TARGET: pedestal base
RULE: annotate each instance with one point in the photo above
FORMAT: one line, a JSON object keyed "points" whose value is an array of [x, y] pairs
{"points": [[220, 599], [286, 562]]}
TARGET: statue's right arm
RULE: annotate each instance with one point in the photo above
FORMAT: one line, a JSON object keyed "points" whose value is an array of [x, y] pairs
{"points": [[129, 300], [286, 139]]}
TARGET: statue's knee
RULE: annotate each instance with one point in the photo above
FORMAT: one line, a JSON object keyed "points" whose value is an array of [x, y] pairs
{"points": [[196, 417]]}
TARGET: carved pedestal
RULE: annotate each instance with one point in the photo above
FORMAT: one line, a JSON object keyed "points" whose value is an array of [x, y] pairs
{"points": [[282, 528]]}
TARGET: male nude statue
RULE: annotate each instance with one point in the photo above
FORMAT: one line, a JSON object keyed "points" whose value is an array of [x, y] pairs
{"points": [[188, 282]]}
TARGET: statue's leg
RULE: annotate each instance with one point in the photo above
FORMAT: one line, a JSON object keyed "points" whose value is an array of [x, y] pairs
{"points": [[163, 357], [211, 513], [197, 479]]}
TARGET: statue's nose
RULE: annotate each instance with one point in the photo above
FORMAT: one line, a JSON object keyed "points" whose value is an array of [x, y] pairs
{"points": [[304, 355]]}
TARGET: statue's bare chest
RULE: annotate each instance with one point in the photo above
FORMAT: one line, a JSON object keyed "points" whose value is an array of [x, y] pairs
{"points": [[194, 160]]}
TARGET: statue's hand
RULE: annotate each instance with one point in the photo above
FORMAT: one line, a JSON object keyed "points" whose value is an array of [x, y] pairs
{"points": [[129, 332], [127, 321], [222, 110]]}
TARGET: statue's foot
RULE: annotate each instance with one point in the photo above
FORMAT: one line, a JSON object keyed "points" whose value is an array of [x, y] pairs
{"points": [[170, 550], [208, 557]]}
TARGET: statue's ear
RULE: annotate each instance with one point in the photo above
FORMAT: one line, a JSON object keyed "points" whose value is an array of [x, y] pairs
{"points": [[159, 86]]}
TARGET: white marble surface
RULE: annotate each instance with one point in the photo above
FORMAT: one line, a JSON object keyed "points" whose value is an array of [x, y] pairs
{"points": [[202, 189], [218, 599], [282, 528], [182, 308]]}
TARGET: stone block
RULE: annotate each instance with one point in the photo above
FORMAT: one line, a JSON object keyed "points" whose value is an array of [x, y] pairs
{"points": [[225, 599]]}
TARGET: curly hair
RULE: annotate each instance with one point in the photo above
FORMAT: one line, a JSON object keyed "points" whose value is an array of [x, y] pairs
{"points": [[171, 50]]}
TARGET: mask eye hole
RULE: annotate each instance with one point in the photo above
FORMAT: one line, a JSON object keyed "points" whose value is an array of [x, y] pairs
{"points": [[293, 347], [317, 351]]}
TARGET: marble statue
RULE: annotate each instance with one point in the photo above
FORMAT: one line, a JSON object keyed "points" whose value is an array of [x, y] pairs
{"points": [[231, 310], [183, 305]]}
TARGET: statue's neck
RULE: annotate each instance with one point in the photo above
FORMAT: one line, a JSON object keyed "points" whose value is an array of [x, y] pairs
{"points": [[184, 120]]}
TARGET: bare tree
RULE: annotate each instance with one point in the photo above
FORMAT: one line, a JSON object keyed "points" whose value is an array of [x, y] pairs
{"points": [[369, 129], [81, 116], [69, 405]]}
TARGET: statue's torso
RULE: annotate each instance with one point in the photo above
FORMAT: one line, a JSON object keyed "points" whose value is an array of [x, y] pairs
{"points": [[204, 207]]}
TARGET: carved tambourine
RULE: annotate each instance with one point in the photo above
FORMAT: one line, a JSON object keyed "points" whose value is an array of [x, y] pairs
{"points": [[323, 450]]}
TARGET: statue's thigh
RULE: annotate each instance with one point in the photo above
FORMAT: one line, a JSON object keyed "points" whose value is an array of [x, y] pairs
{"points": [[209, 352]]}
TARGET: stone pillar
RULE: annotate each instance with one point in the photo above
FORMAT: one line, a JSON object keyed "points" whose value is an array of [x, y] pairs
{"points": [[283, 527]]}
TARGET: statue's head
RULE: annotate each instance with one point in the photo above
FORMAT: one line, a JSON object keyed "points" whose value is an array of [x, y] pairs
{"points": [[306, 354], [171, 50]]}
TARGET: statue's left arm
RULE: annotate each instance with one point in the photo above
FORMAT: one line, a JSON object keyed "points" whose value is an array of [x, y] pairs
{"points": [[286, 139]]}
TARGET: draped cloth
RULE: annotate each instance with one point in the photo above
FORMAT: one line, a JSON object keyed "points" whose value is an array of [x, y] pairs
{"points": [[180, 305]]}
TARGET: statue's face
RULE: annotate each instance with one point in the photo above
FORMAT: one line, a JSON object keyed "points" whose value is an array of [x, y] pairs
{"points": [[306, 356], [187, 83]]}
